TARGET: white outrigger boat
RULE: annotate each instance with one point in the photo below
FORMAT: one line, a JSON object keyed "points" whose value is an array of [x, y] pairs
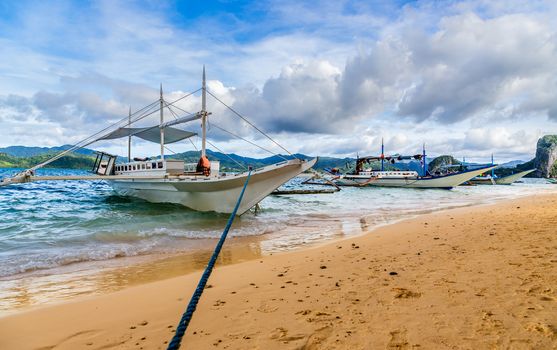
{"points": [[409, 179], [199, 186], [492, 179], [495, 180]]}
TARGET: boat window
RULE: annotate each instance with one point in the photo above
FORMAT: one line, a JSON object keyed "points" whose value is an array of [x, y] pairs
{"points": [[148, 165], [154, 165], [160, 165], [126, 168], [142, 166]]}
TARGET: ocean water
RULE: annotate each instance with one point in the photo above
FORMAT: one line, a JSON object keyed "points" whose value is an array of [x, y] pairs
{"points": [[48, 225]]}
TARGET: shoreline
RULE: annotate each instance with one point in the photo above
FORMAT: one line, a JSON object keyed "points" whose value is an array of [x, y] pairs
{"points": [[254, 293], [37, 289]]}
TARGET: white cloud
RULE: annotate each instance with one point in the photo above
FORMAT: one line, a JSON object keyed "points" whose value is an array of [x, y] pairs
{"points": [[463, 77]]}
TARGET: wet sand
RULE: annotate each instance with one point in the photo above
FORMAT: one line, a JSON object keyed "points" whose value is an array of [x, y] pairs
{"points": [[473, 278]]}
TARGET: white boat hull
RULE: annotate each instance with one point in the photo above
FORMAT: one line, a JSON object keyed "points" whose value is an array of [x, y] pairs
{"points": [[214, 194], [482, 181], [507, 180], [447, 181]]}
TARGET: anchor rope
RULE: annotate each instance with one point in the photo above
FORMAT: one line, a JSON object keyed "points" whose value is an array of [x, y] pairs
{"points": [[192, 305]]}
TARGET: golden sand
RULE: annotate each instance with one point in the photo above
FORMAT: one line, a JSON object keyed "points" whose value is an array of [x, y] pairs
{"points": [[472, 278]]}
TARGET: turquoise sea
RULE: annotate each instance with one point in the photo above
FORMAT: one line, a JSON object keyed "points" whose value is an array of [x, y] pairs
{"points": [[45, 226]]}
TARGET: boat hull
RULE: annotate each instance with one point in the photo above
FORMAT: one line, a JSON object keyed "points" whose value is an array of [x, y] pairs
{"points": [[482, 181], [446, 182], [214, 194], [507, 180]]}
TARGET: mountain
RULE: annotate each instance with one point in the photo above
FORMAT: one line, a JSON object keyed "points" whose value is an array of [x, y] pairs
{"points": [[24, 151], [70, 161], [512, 164], [440, 164], [546, 156], [545, 161]]}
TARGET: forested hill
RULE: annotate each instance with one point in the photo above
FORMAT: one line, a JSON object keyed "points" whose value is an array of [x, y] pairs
{"points": [[71, 161]]}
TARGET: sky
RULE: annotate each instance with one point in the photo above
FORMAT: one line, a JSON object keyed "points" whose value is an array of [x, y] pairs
{"points": [[329, 78]]}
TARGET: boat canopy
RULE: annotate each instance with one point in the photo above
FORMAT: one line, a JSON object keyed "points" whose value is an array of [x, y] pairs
{"points": [[152, 134]]}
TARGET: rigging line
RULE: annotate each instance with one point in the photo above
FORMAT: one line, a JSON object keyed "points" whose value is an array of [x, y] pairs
{"points": [[183, 110], [89, 140], [248, 141], [136, 119], [183, 97], [221, 151], [168, 149], [193, 144], [250, 123], [122, 121], [171, 111]]}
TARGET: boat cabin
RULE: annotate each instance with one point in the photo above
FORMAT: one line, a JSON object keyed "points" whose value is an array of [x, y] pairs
{"points": [[390, 174], [164, 167]]}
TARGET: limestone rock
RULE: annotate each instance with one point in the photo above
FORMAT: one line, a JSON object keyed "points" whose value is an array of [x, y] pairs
{"points": [[546, 156]]}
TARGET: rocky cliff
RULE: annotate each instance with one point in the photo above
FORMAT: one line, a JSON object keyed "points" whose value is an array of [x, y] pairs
{"points": [[440, 164], [546, 156]]}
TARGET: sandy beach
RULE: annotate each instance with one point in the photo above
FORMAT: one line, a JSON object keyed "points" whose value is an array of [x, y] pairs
{"points": [[482, 277]]}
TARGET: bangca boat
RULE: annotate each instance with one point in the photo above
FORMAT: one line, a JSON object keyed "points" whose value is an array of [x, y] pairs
{"points": [[200, 186], [493, 179], [503, 180], [409, 179]]}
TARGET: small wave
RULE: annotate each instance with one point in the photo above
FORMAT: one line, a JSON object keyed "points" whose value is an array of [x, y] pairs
{"points": [[18, 263]]}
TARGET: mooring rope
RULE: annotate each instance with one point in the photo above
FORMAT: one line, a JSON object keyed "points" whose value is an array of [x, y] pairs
{"points": [[186, 317]]}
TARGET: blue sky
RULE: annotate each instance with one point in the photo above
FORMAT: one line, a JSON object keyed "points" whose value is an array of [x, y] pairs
{"points": [[469, 78]]}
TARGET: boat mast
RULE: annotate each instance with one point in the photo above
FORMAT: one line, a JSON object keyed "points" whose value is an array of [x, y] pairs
{"points": [[161, 128], [423, 157], [203, 115], [130, 137], [492, 170], [382, 155]]}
